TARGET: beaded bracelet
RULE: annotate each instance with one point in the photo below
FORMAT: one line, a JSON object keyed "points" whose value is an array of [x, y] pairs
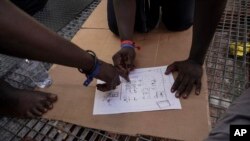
{"points": [[94, 71]]}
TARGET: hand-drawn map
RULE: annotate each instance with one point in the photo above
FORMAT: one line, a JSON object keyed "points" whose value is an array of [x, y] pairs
{"points": [[148, 90]]}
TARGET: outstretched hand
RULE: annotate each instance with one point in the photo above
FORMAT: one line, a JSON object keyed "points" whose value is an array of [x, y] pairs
{"points": [[190, 74]]}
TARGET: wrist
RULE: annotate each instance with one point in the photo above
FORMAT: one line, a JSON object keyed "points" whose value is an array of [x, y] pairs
{"points": [[198, 53], [89, 64], [94, 71], [196, 60], [129, 44]]}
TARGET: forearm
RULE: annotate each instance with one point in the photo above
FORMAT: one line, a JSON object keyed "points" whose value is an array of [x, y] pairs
{"points": [[21, 36], [206, 18], [125, 16]]}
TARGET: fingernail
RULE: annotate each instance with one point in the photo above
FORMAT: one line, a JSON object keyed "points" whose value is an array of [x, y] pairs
{"points": [[197, 93], [172, 90], [184, 96], [50, 106], [53, 97], [177, 95]]}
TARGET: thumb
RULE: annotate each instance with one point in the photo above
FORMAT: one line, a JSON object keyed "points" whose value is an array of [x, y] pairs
{"points": [[171, 68], [124, 74]]}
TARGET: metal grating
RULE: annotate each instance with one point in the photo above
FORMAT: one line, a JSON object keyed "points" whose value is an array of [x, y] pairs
{"points": [[227, 77], [57, 13], [227, 60]]}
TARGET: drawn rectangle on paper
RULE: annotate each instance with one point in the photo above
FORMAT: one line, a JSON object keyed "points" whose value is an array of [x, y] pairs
{"points": [[163, 104], [148, 90]]}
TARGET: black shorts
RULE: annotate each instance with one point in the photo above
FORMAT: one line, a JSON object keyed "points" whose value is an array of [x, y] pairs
{"points": [[177, 15], [30, 6]]}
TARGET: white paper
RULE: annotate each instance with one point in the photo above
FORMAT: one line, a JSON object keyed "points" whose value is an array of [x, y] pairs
{"points": [[148, 90]]}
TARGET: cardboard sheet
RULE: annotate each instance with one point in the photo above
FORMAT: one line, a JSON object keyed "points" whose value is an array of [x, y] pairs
{"points": [[75, 102]]}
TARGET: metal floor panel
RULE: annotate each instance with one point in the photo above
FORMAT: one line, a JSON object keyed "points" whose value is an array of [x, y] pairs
{"points": [[227, 72], [58, 13]]}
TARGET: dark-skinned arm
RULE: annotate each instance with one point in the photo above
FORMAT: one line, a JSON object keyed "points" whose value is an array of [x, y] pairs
{"points": [[22, 36], [125, 16], [206, 18]]}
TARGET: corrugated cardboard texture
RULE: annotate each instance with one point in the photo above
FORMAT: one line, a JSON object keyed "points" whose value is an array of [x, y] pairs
{"points": [[75, 102]]}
